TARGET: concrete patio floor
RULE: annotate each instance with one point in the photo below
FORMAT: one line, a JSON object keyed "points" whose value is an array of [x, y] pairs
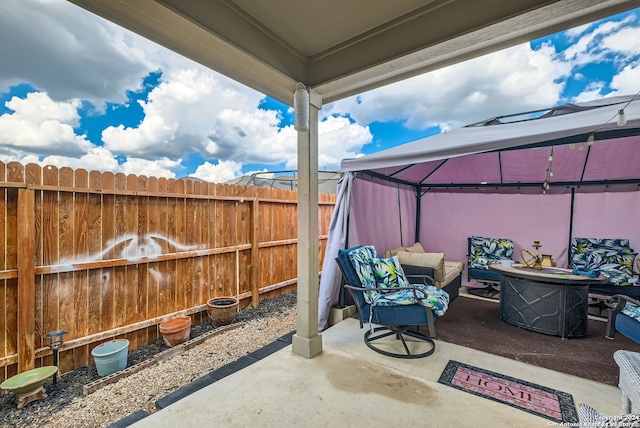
{"points": [[350, 385]]}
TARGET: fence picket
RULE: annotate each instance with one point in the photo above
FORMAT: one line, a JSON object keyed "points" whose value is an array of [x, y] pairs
{"points": [[201, 272], [7, 306], [9, 299], [50, 256], [190, 236], [182, 283], [95, 252], [112, 248], [133, 288], [81, 279], [153, 244], [168, 296], [66, 251]]}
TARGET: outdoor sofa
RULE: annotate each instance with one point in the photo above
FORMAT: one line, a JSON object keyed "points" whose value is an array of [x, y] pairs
{"points": [[416, 261]]}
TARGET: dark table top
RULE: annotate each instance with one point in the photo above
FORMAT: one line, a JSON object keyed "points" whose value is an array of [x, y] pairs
{"points": [[547, 274]]}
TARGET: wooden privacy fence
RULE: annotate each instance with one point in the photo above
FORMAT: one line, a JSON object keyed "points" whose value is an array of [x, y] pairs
{"points": [[106, 255]]}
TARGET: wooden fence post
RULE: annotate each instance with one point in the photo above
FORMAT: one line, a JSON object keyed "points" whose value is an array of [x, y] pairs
{"points": [[26, 280], [255, 254]]}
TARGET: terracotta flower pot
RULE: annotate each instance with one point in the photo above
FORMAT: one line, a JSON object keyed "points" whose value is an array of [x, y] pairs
{"points": [[222, 310], [176, 330]]}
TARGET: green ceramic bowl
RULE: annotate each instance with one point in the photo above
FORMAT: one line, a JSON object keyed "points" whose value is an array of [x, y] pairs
{"points": [[29, 380]]}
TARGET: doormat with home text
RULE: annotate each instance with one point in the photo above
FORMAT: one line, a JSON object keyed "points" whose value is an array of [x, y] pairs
{"points": [[548, 403]]}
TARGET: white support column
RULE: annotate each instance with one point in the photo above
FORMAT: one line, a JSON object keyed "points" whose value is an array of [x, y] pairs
{"points": [[307, 342]]}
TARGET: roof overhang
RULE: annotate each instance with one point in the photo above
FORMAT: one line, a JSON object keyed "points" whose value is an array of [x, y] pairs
{"points": [[341, 48]]}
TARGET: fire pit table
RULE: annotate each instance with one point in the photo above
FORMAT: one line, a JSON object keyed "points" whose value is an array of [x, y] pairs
{"points": [[549, 300]]}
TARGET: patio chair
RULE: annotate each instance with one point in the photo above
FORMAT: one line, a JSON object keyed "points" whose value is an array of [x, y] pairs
{"points": [[383, 295], [590, 417], [481, 252], [624, 317], [629, 379], [613, 259]]}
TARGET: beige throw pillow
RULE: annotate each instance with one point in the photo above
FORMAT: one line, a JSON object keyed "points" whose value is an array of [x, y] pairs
{"points": [[415, 248], [432, 260]]}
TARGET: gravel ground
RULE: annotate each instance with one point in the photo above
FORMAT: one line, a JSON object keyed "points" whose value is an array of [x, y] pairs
{"points": [[66, 406]]}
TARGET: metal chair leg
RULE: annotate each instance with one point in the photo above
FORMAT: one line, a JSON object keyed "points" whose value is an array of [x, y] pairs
{"points": [[399, 331]]}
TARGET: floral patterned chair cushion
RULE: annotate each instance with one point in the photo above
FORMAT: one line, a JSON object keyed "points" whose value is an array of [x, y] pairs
{"points": [[360, 259], [613, 258], [436, 298], [632, 311], [387, 273], [485, 251]]}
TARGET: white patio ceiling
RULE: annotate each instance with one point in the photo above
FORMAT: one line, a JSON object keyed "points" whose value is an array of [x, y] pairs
{"points": [[341, 48]]}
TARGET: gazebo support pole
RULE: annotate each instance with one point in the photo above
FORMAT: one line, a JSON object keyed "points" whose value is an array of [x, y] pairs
{"points": [[307, 342], [418, 212]]}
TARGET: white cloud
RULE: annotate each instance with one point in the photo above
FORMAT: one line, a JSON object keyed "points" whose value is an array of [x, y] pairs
{"points": [[591, 92], [624, 41], [587, 48], [69, 52], [197, 110], [97, 159], [100, 159], [616, 42], [192, 109], [263, 173], [158, 168], [223, 171], [23, 159], [512, 80], [340, 139], [627, 82], [575, 32], [251, 137], [610, 36], [200, 111], [38, 124], [37, 107]]}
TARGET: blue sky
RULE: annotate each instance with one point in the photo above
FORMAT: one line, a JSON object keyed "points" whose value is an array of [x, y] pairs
{"points": [[78, 91]]}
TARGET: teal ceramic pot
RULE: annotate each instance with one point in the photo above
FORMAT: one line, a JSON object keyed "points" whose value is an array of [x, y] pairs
{"points": [[111, 356]]}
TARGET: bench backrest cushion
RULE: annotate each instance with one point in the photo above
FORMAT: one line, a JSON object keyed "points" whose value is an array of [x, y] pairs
{"points": [[432, 260], [612, 257], [485, 251]]}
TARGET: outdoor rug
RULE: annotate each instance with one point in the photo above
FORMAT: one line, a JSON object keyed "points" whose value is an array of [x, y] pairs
{"points": [[476, 324], [539, 400]]}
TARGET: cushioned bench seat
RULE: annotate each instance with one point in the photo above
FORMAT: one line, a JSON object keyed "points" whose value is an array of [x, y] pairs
{"points": [[452, 271], [452, 276]]}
